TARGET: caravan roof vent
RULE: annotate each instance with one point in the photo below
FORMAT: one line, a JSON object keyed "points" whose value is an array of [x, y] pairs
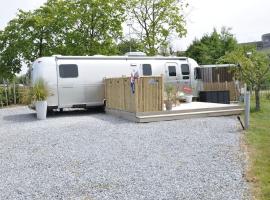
{"points": [[135, 53]]}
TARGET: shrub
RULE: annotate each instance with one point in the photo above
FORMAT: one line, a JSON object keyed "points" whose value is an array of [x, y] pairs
{"points": [[2, 97], [169, 89], [268, 96], [25, 96], [39, 91]]}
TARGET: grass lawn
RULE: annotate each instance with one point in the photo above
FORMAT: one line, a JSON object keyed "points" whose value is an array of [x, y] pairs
{"points": [[258, 140]]}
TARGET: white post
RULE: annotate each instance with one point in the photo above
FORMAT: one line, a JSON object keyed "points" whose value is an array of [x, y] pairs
{"points": [[247, 109]]}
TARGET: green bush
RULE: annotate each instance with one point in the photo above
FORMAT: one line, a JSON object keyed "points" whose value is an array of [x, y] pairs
{"points": [[169, 90], [2, 97], [24, 96], [268, 96]]}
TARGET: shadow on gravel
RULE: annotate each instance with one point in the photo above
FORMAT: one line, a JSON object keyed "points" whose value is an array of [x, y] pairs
{"points": [[29, 117], [97, 113], [75, 112]]}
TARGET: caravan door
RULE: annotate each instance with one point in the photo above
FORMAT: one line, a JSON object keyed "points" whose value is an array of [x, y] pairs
{"points": [[173, 73], [185, 75], [68, 92]]}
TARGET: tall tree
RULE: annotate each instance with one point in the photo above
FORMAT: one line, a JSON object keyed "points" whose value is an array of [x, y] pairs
{"points": [[78, 27], [211, 47], [156, 20], [10, 59], [253, 68], [28, 36], [95, 26], [125, 45]]}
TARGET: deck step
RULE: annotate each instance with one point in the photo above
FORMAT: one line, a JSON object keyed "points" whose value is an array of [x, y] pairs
{"points": [[225, 110], [186, 115], [184, 111]]}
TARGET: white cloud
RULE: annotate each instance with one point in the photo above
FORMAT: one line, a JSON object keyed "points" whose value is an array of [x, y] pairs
{"points": [[9, 8]]}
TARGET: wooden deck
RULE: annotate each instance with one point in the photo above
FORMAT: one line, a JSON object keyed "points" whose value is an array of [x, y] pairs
{"points": [[183, 111]]}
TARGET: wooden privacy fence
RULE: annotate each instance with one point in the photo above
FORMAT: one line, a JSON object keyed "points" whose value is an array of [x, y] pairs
{"points": [[24, 96], [216, 74], [14, 95], [230, 86], [145, 95]]}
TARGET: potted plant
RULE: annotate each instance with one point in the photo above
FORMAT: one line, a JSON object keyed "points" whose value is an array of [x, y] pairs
{"points": [[39, 94], [169, 97]]}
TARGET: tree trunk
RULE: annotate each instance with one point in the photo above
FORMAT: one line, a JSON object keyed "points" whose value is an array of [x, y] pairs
{"points": [[257, 99], [40, 53], [1, 100], [6, 93], [14, 93]]}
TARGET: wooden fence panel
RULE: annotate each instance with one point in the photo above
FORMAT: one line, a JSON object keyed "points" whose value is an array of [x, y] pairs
{"points": [[217, 74], [148, 95]]}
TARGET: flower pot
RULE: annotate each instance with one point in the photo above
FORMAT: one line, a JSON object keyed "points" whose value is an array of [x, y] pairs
{"points": [[41, 109], [188, 98], [168, 105]]}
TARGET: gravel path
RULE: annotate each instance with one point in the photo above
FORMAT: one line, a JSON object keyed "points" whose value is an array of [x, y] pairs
{"points": [[93, 156]]}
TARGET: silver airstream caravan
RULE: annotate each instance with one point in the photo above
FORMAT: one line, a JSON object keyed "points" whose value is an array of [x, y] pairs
{"points": [[77, 81]]}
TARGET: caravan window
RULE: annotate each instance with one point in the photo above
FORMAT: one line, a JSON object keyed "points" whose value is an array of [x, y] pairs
{"points": [[147, 70], [198, 73], [68, 71], [172, 70], [185, 69]]}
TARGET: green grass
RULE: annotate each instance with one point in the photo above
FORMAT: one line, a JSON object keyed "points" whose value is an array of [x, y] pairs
{"points": [[258, 139]]}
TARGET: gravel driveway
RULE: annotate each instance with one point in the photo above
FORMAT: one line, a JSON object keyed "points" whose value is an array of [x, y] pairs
{"points": [[88, 155]]}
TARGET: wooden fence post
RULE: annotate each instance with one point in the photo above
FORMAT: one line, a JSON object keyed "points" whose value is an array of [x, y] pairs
{"points": [[136, 94], [162, 92]]}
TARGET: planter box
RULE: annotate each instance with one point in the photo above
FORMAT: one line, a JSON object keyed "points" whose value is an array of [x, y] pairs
{"points": [[41, 109], [215, 96]]}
